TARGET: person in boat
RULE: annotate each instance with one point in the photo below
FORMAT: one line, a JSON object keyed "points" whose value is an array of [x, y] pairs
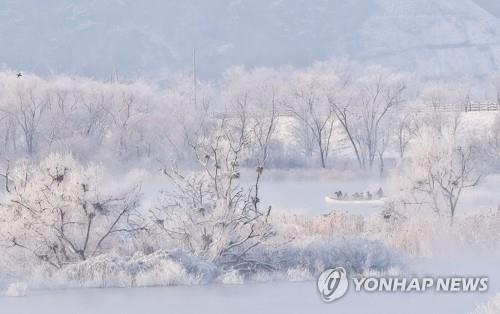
{"points": [[338, 195], [380, 193], [369, 196]]}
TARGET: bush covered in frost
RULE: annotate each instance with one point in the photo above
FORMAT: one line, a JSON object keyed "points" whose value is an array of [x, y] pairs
{"points": [[58, 212], [491, 307]]}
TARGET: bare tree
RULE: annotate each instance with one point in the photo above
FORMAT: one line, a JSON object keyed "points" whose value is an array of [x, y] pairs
{"points": [[362, 113], [211, 213], [28, 111], [310, 109], [10, 134], [406, 129], [438, 168], [262, 129], [491, 144], [446, 183], [94, 121]]}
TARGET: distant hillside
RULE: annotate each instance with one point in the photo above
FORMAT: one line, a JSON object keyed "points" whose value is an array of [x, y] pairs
{"points": [[152, 38]]}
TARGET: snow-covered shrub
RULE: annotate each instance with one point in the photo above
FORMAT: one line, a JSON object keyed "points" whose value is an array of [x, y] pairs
{"points": [[316, 254], [232, 277], [16, 289], [491, 307], [58, 212], [299, 274], [160, 268], [211, 214]]}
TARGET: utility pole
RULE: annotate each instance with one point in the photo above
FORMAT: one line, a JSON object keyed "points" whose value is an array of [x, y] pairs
{"points": [[194, 76]]}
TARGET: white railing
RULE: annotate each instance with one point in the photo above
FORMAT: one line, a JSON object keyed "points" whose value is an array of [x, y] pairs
{"points": [[482, 107], [470, 107]]}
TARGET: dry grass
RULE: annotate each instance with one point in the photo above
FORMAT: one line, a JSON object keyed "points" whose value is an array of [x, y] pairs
{"points": [[418, 235]]}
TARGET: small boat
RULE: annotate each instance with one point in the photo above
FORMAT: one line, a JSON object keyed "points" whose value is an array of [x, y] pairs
{"points": [[333, 200]]}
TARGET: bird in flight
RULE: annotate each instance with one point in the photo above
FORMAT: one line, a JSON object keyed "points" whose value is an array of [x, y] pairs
{"points": [[19, 75]]}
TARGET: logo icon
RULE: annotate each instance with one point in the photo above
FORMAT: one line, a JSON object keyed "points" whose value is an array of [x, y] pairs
{"points": [[333, 284]]}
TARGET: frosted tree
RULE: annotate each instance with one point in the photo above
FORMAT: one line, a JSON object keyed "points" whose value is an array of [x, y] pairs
{"points": [[211, 213], [260, 95], [375, 93], [309, 105], [26, 104], [490, 143], [437, 171], [57, 211], [179, 118], [129, 107], [406, 128]]}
